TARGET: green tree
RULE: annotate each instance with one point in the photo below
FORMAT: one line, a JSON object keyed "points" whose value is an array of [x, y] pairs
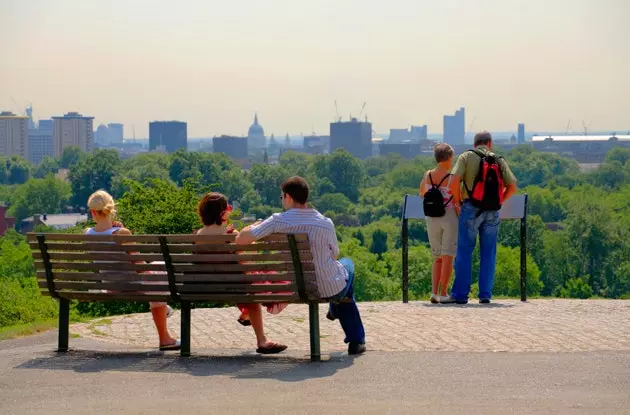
{"points": [[576, 288], [46, 167], [16, 171], [379, 242], [267, 181], [343, 170], [94, 172], [70, 156], [47, 195], [335, 202]]}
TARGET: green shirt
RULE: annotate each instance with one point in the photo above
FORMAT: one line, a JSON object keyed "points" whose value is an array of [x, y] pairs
{"points": [[467, 167]]}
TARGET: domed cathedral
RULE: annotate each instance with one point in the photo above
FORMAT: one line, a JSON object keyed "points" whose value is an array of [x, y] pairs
{"points": [[256, 135]]}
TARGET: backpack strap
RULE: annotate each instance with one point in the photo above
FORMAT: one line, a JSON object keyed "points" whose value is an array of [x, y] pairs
{"points": [[443, 178], [431, 179]]}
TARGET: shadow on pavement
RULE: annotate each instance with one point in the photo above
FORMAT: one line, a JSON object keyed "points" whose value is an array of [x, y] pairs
{"points": [[246, 366]]}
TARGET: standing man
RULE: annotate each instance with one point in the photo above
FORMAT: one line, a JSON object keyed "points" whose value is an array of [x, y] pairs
{"points": [[487, 183], [335, 279]]}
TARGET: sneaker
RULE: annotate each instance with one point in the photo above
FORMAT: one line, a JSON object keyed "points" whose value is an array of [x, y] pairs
{"points": [[435, 299], [447, 299], [484, 301], [356, 348], [169, 311]]}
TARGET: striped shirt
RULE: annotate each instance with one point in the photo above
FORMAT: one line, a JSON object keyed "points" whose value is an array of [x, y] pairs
{"points": [[330, 274]]}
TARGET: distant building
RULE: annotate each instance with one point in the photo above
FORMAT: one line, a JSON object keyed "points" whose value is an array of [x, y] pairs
{"points": [[13, 135], [401, 135], [56, 221], [40, 142], [101, 135], [256, 135], [317, 144], [5, 222], [355, 136], [72, 130], [233, 147], [584, 149], [455, 127], [168, 136], [521, 134], [407, 150], [116, 133]]}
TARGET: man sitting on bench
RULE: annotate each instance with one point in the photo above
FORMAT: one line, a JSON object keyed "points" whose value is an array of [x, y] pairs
{"points": [[335, 279]]}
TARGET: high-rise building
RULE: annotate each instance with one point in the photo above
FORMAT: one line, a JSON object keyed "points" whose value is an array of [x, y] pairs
{"points": [[116, 133], [407, 150], [40, 142], [13, 134], [72, 130], [521, 134], [168, 135], [419, 132], [354, 136], [455, 127], [256, 135], [233, 147]]}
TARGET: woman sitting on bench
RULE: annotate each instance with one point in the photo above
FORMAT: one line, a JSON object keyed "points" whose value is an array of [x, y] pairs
{"points": [[103, 209]]}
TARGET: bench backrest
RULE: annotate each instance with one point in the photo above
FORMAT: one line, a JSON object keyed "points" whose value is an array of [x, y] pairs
{"points": [[188, 267], [514, 208]]}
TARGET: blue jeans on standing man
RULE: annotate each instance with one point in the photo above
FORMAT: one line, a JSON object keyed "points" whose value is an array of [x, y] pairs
{"points": [[486, 225], [344, 307]]}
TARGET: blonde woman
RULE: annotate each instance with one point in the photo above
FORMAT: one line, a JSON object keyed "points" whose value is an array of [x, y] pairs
{"points": [[103, 210], [442, 229]]}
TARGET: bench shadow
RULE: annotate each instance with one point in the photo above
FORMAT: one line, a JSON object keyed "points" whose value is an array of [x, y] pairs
{"points": [[244, 366]]}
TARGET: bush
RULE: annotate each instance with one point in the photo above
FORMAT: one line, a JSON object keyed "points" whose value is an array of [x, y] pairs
{"points": [[576, 288]]}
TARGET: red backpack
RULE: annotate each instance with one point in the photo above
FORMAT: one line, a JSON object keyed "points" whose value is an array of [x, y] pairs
{"points": [[488, 187]]}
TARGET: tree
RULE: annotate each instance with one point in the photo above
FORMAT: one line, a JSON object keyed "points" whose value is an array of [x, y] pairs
{"points": [[46, 167], [16, 171], [47, 195], [267, 181], [343, 170], [70, 156], [420, 262], [576, 288], [335, 202], [379, 242], [93, 173]]}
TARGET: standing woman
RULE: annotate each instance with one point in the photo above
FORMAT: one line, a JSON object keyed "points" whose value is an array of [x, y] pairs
{"points": [[103, 209], [441, 205]]}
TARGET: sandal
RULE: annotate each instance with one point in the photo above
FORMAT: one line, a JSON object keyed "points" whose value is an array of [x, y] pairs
{"points": [[244, 322], [174, 346], [272, 348]]}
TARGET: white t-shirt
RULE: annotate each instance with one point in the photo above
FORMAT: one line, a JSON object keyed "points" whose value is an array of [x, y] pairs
{"points": [[331, 275]]}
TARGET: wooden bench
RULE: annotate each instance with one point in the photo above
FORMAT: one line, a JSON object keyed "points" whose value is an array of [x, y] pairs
{"points": [[182, 268]]}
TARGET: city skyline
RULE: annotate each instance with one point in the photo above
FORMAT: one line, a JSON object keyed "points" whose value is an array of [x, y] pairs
{"points": [[540, 63]]}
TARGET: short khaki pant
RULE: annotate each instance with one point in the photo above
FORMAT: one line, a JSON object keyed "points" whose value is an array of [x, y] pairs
{"points": [[443, 234]]}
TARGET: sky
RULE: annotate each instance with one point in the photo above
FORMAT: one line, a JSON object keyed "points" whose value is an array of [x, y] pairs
{"points": [[214, 63]]}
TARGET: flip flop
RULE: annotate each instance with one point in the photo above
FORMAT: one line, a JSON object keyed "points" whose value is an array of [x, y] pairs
{"points": [[243, 322], [174, 346], [272, 348]]}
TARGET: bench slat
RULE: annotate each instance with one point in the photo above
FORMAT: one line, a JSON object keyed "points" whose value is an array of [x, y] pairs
{"points": [[246, 299], [237, 288], [210, 268], [129, 287], [104, 266], [83, 296], [100, 256], [99, 247], [236, 277], [104, 276], [173, 248]]}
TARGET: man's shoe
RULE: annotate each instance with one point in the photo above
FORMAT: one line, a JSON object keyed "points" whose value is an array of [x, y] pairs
{"points": [[461, 302], [356, 348], [330, 317], [484, 301]]}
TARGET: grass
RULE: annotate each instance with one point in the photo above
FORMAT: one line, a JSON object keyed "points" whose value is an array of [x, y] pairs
{"points": [[27, 329]]}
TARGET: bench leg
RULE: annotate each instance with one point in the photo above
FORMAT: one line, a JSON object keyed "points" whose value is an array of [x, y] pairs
{"points": [[313, 320], [185, 329], [64, 324]]}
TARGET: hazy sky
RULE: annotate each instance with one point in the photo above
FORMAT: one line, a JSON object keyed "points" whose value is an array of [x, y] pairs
{"points": [[214, 63]]}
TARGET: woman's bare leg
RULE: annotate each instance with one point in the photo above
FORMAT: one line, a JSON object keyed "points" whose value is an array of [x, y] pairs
{"points": [[256, 317], [159, 318], [436, 272], [445, 274]]}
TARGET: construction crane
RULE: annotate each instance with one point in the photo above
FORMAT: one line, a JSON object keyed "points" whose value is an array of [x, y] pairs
{"points": [[472, 123], [566, 130], [362, 108], [586, 127], [337, 112]]}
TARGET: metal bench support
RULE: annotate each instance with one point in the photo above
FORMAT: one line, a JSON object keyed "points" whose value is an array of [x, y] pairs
{"points": [[185, 329], [64, 324], [313, 321]]}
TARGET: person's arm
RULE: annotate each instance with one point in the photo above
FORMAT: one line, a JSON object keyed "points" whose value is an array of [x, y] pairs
{"points": [[422, 184], [257, 231], [457, 175], [455, 187], [509, 180], [510, 190]]}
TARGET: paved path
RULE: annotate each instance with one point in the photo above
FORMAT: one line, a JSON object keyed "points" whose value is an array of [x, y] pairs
{"points": [[505, 326], [103, 378]]}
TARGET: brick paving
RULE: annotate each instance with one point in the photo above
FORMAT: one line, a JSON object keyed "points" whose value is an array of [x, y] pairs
{"points": [[504, 326]]}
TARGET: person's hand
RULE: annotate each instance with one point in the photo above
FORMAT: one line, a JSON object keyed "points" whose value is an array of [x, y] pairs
{"points": [[230, 228], [458, 209]]}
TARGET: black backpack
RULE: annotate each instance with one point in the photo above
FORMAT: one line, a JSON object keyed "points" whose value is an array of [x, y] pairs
{"points": [[433, 202]]}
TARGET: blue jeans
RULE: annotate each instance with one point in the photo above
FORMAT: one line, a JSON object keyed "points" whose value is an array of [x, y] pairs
{"points": [[471, 224], [344, 307]]}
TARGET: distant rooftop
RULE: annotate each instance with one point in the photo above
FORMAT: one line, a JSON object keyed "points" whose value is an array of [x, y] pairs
{"points": [[60, 221], [73, 114], [580, 138], [9, 114]]}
